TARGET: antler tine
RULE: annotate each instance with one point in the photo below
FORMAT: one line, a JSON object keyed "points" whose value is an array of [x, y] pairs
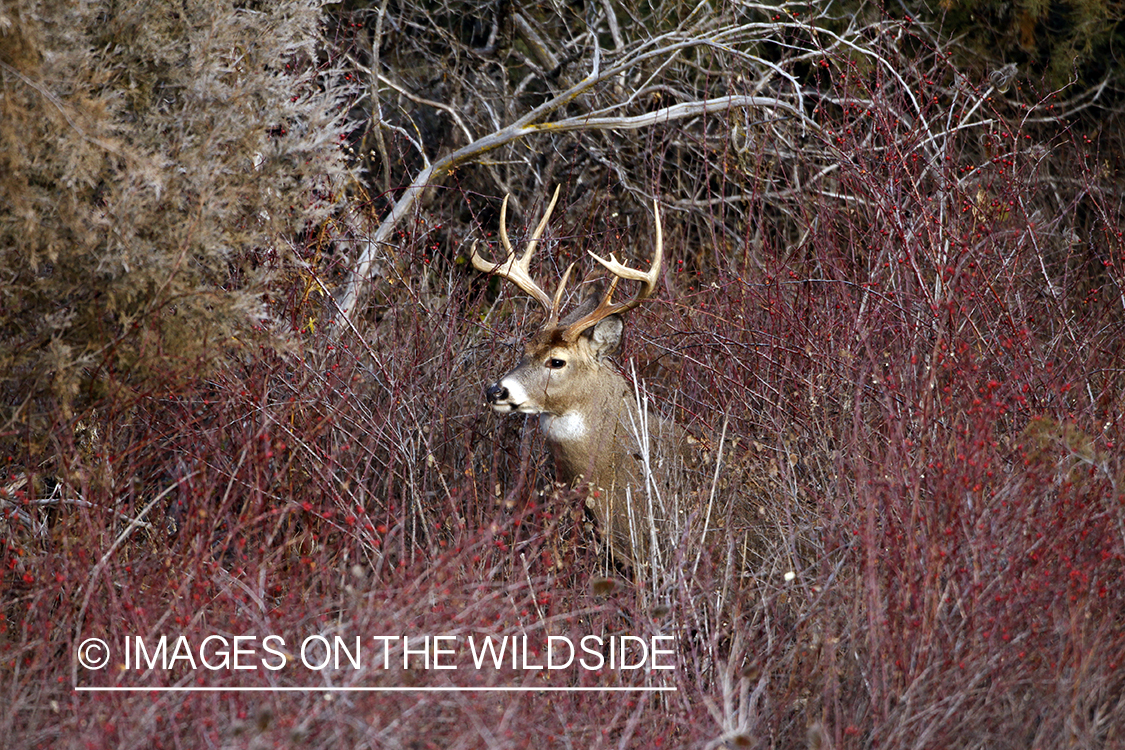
{"points": [[518, 270], [553, 316], [534, 241], [620, 271]]}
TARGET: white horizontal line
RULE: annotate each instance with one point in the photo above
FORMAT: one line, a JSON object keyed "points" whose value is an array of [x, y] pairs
{"points": [[364, 689]]}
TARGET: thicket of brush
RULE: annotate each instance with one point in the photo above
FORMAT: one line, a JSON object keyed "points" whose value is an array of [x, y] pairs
{"points": [[900, 315]]}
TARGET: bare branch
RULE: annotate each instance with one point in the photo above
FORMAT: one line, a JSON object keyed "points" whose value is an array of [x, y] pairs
{"points": [[347, 301]]}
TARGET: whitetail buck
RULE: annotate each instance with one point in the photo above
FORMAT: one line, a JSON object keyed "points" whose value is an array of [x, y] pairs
{"points": [[587, 410]]}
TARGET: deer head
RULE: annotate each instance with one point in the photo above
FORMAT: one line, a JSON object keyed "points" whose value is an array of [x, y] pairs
{"points": [[566, 378]]}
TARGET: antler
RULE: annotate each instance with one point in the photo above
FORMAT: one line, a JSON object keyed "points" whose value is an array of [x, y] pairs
{"points": [[518, 270], [620, 271]]}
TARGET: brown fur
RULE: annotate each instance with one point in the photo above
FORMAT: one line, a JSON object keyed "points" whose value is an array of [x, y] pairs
{"points": [[586, 408], [606, 455]]}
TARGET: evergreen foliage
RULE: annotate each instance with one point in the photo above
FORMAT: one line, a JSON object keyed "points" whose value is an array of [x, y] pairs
{"points": [[155, 159]]}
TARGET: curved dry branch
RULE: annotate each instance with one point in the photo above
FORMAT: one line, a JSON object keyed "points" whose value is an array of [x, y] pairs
{"points": [[347, 300]]}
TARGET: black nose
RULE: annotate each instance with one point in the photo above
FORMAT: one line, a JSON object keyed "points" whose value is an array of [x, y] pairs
{"points": [[496, 392]]}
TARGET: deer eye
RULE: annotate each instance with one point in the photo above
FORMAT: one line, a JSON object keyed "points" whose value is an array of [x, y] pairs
{"points": [[555, 363]]}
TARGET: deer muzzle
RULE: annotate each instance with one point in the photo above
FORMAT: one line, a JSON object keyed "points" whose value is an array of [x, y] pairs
{"points": [[507, 396]]}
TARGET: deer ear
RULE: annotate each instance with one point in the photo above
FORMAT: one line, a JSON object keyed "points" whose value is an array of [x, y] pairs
{"points": [[605, 337]]}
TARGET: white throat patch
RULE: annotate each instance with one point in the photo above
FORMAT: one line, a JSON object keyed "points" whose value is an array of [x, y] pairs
{"points": [[567, 428]]}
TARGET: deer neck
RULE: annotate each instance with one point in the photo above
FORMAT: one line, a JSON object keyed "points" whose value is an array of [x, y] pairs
{"points": [[592, 441]]}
